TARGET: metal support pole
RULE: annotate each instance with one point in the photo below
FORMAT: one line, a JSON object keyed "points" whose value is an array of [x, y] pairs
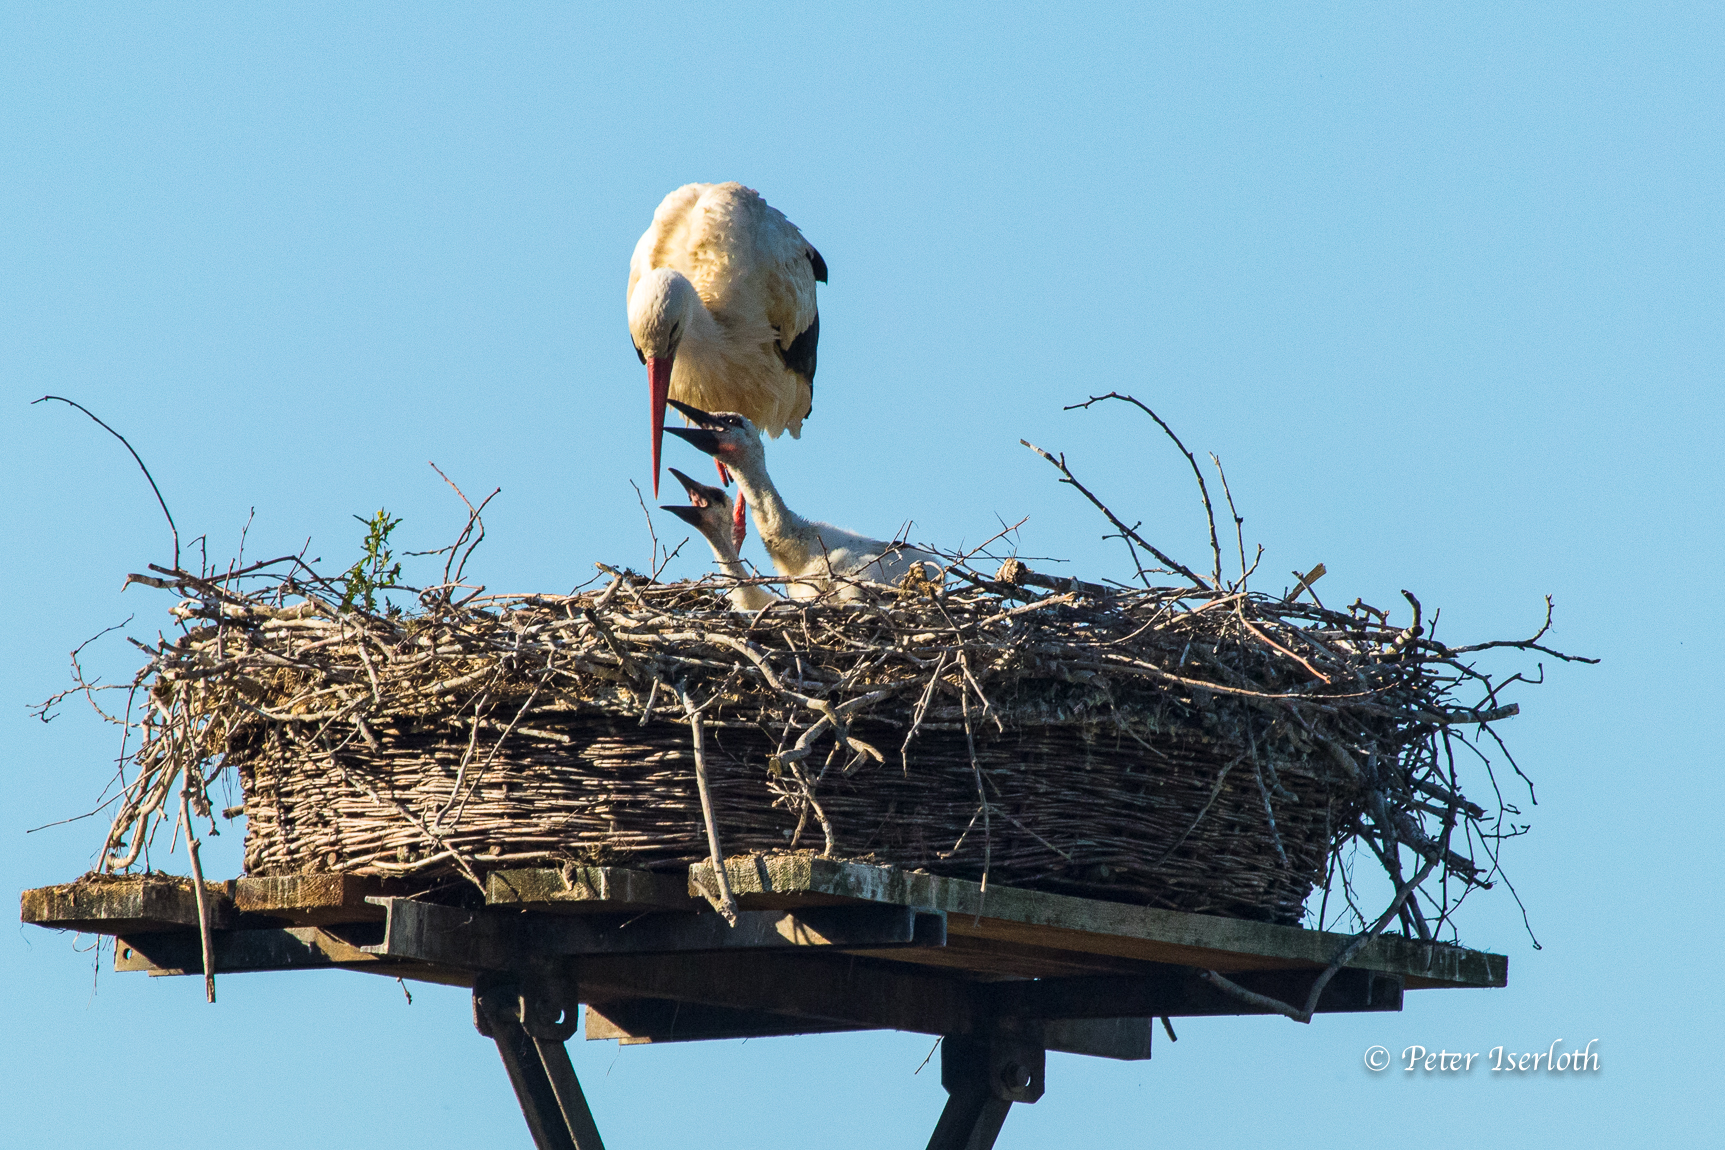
{"points": [[529, 1019], [983, 1077]]}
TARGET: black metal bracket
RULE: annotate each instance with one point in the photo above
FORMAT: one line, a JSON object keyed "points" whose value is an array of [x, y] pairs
{"points": [[529, 1014], [984, 1076]]}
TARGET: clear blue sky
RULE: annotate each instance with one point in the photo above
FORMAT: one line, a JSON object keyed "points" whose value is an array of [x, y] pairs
{"points": [[1441, 285]]}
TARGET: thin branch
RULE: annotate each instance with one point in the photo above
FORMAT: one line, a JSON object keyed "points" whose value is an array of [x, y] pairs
{"points": [[200, 896], [1125, 531], [1197, 472], [139, 459], [726, 903], [1239, 521]]}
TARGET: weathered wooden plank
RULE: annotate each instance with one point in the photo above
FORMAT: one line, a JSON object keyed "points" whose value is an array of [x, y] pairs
{"points": [[241, 951], [841, 927], [876, 993], [119, 904], [180, 952], [496, 940], [1122, 1039], [314, 899], [863, 996], [449, 936], [1091, 926], [986, 958], [858, 991], [650, 1020], [1177, 991], [643, 1020], [134, 903], [590, 890]]}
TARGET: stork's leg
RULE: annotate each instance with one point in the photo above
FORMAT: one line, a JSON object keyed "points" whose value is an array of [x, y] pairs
{"points": [[983, 1077], [537, 1062]]}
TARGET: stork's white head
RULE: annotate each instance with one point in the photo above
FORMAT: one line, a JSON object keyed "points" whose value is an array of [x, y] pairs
{"points": [[728, 437], [661, 308]]}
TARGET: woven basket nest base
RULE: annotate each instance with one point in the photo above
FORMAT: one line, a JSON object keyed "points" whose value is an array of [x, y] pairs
{"points": [[1087, 812]]}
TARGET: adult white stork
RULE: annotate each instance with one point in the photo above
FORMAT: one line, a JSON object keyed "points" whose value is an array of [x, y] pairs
{"points": [[811, 553], [722, 309], [709, 512]]}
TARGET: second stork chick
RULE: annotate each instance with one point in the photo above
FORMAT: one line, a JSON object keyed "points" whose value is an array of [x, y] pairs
{"points": [[709, 512], [810, 553]]}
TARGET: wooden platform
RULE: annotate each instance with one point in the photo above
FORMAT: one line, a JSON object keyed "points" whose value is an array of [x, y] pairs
{"points": [[1003, 975], [822, 945]]}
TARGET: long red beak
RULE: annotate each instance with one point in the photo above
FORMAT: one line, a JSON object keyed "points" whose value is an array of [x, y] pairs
{"points": [[659, 383]]}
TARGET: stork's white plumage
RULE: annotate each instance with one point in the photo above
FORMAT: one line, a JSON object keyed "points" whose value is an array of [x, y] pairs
{"points": [[722, 308], [709, 512], [803, 550]]}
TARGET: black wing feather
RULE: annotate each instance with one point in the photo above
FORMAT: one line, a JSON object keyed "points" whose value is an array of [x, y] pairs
{"points": [[800, 356], [819, 265]]}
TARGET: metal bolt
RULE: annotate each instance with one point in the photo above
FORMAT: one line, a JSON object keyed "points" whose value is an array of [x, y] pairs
{"points": [[1015, 1076]]}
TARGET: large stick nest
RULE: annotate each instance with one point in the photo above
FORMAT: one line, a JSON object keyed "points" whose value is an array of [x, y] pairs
{"points": [[1204, 747], [1193, 750]]}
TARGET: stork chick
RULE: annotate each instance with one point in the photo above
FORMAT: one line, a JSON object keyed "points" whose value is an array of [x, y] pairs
{"points": [[811, 553], [722, 309], [709, 512]]}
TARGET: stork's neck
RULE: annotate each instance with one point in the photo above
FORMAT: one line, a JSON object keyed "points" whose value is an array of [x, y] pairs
{"points": [[784, 533], [725, 556], [747, 596], [702, 335]]}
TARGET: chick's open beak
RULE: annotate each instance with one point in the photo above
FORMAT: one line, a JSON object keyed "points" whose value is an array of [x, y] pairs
{"points": [[689, 515], [698, 437], [699, 493]]}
